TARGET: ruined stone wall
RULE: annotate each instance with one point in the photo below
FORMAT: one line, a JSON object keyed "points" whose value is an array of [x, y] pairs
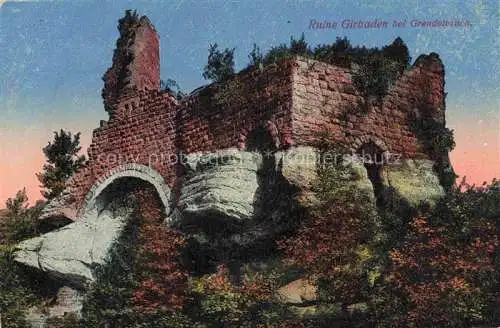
{"points": [[136, 63], [326, 99], [293, 102], [258, 99], [141, 131]]}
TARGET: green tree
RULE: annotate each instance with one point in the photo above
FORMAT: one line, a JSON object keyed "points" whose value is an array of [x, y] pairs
{"points": [[62, 161], [220, 65], [20, 221], [300, 46], [256, 57], [16, 293]]}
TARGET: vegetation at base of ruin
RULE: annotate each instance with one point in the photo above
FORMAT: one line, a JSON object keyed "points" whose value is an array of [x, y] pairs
{"points": [[431, 267], [62, 161], [219, 303], [162, 279], [339, 259], [20, 287], [443, 271], [14, 296], [109, 300], [141, 285], [446, 271], [69, 320]]}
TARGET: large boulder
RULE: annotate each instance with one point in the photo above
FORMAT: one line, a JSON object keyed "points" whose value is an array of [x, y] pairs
{"points": [[71, 253], [298, 292], [414, 180], [299, 167], [222, 184]]}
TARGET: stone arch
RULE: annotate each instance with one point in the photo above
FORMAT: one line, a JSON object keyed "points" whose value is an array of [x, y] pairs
{"points": [[366, 139], [132, 170], [267, 130]]}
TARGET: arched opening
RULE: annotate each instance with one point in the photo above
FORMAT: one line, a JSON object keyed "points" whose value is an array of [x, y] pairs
{"points": [[373, 159], [124, 179], [119, 196]]}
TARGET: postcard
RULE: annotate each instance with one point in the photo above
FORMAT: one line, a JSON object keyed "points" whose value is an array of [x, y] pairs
{"points": [[249, 163]]}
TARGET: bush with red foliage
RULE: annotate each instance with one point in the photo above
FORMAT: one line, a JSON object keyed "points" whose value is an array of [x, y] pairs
{"points": [[163, 284], [333, 243], [445, 273]]}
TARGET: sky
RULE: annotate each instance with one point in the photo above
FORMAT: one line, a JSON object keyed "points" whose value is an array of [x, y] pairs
{"points": [[54, 53]]}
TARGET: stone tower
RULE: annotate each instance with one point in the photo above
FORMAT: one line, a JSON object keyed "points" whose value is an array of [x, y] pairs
{"points": [[136, 60]]}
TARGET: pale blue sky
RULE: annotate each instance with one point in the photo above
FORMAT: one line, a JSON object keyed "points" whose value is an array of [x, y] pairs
{"points": [[54, 51]]}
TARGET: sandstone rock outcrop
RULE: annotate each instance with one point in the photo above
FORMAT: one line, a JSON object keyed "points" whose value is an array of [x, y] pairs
{"points": [[298, 291], [71, 253], [414, 180], [221, 184]]}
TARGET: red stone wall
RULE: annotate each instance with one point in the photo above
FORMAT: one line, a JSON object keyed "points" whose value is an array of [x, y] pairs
{"points": [[146, 52], [293, 101], [141, 131], [325, 98], [266, 100], [151, 127], [136, 64]]}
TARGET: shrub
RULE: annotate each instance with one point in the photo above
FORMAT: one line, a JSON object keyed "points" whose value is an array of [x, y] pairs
{"points": [[20, 221], [333, 244], [437, 138], [14, 296], [375, 75], [439, 141], [445, 272], [220, 65], [231, 93], [173, 88], [218, 303], [163, 282]]}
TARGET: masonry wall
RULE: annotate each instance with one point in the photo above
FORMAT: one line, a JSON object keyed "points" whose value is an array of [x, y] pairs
{"points": [[263, 99], [325, 99], [141, 131], [294, 102], [151, 128]]}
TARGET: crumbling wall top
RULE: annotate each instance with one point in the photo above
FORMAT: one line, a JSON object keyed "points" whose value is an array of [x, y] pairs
{"points": [[136, 60]]}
